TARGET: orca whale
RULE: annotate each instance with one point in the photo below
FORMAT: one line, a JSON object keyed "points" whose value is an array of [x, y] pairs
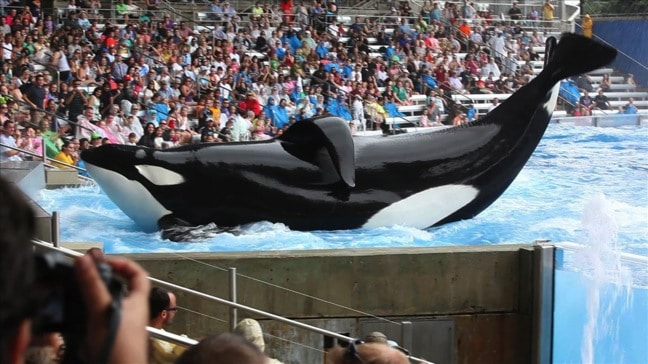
{"points": [[316, 176]]}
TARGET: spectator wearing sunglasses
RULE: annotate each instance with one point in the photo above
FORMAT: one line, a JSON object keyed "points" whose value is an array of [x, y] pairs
{"points": [[162, 306]]}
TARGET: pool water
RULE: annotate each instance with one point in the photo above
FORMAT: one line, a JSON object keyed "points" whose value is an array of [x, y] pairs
{"points": [[583, 184]]}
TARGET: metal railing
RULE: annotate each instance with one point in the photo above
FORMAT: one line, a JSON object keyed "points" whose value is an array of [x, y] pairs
{"points": [[237, 306], [46, 112], [46, 158], [33, 62]]}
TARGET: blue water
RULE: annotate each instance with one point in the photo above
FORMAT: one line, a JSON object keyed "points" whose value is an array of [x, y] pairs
{"points": [[584, 185]]}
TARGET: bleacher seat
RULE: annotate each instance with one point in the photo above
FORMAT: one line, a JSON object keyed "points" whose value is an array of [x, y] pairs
{"points": [[412, 119], [343, 19], [622, 86], [641, 104]]}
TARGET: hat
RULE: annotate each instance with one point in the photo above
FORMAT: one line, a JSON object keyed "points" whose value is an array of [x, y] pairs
{"points": [[208, 120], [251, 330], [376, 337], [379, 337], [95, 136]]}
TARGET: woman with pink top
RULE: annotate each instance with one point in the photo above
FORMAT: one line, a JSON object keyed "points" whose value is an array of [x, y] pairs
{"points": [[34, 142]]}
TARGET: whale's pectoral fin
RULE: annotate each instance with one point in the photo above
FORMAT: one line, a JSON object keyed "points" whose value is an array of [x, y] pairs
{"points": [[324, 142], [178, 230]]}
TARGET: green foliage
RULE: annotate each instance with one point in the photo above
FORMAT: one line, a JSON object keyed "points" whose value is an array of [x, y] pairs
{"points": [[616, 7]]}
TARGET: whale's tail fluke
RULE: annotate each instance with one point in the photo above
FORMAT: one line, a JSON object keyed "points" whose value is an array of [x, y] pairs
{"points": [[575, 54]]}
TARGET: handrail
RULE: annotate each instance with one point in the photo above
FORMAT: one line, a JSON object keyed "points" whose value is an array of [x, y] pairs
{"points": [[168, 336], [79, 169], [46, 112], [605, 112], [416, 123], [287, 321], [48, 67]]}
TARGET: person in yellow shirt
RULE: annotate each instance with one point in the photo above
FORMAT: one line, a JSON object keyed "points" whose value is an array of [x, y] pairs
{"points": [[376, 112], [67, 155], [548, 10], [587, 25], [162, 306]]}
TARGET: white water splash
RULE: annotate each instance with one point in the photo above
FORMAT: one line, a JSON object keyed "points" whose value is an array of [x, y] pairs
{"points": [[609, 279]]}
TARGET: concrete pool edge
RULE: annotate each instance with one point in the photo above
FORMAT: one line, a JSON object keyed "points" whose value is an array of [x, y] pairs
{"points": [[471, 292]]}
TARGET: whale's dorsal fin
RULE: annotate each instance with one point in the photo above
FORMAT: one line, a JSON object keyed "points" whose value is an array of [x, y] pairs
{"points": [[323, 142]]}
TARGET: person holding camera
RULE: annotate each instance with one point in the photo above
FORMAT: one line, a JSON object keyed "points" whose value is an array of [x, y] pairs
{"points": [[18, 309], [75, 102], [35, 98]]}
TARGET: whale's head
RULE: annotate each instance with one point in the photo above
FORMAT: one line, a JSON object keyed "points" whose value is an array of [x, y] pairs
{"points": [[226, 183], [135, 180]]}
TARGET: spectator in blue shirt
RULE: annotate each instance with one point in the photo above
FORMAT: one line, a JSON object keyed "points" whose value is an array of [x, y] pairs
{"points": [[630, 107], [281, 115]]}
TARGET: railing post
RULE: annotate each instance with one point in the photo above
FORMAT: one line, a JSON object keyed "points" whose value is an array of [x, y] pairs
{"points": [[55, 229], [43, 149], [406, 335], [233, 313]]}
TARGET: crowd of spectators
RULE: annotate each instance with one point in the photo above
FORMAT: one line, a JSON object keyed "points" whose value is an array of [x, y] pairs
{"points": [[577, 95], [147, 79]]}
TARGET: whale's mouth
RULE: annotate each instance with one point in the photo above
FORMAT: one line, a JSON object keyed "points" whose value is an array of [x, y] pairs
{"points": [[111, 155]]}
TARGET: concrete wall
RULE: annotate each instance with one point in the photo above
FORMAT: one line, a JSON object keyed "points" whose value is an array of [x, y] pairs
{"points": [[485, 292]]}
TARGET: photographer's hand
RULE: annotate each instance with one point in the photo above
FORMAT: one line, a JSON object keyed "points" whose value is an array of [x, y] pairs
{"points": [[130, 345]]}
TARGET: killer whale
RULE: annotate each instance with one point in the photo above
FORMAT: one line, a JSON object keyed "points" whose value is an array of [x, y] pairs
{"points": [[316, 176]]}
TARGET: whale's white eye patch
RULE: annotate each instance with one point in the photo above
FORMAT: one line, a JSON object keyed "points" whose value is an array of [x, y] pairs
{"points": [[131, 197], [160, 176], [140, 154]]}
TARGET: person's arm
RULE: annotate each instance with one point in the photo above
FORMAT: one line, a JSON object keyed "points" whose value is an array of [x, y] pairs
{"points": [[70, 97], [28, 100], [109, 105], [131, 341], [11, 152], [55, 58]]}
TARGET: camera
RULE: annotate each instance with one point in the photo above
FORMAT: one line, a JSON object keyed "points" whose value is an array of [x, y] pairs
{"points": [[60, 305]]}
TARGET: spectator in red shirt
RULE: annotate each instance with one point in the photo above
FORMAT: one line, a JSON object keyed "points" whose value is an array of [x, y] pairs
{"points": [[251, 103]]}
